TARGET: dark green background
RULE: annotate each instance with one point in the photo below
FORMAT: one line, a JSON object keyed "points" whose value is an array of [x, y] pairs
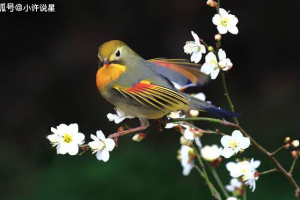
{"points": [[48, 66]]}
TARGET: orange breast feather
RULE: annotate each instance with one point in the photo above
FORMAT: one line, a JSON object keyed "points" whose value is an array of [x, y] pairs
{"points": [[105, 75]]}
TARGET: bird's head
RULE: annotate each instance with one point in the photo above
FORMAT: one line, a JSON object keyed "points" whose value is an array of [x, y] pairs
{"points": [[114, 52], [115, 59]]}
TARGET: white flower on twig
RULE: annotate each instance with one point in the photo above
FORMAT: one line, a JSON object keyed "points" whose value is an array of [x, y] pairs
{"points": [[119, 117], [234, 186], [212, 66], [187, 159], [233, 144], [195, 48], [211, 153], [174, 115], [101, 146], [246, 170], [66, 139], [192, 134], [225, 22], [224, 63]]}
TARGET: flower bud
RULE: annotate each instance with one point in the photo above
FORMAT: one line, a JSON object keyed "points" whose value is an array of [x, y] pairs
{"points": [[194, 113], [210, 49], [212, 3], [222, 65], [218, 37], [139, 137], [294, 154], [287, 146], [287, 139], [295, 143]]}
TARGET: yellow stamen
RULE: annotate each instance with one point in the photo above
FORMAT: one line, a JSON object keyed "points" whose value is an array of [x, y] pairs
{"points": [[67, 138]]}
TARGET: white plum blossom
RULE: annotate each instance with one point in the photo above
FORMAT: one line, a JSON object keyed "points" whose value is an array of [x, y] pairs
{"points": [[234, 185], [211, 153], [225, 22], [195, 48], [192, 134], [174, 115], [233, 144], [187, 158], [101, 146], [66, 139], [224, 63], [246, 170], [119, 117], [251, 177], [212, 66]]}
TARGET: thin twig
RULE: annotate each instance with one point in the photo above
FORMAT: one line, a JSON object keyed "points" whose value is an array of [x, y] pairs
{"points": [[279, 149], [212, 189], [256, 144], [268, 171], [219, 181], [294, 163], [228, 96], [245, 193]]}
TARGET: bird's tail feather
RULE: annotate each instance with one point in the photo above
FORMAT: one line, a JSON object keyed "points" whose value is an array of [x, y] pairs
{"points": [[197, 104]]}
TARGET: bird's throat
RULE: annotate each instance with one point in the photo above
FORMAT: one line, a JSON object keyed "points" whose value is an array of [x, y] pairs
{"points": [[105, 75]]}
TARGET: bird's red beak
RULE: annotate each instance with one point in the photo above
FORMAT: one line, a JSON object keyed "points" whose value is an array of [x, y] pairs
{"points": [[105, 63]]}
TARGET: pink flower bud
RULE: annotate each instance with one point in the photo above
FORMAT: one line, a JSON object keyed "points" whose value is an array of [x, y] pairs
{"points": [[139, 137], [212, 3]]}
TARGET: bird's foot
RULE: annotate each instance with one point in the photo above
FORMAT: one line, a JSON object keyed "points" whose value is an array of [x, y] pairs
{"points": [[160, 123]]}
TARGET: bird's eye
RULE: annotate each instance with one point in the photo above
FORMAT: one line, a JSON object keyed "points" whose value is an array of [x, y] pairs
{"points": [[118, 53]]}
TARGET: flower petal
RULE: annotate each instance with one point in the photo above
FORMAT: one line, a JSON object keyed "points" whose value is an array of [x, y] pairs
{"points": [[189, 135], [222, 54], [214, 73], [100, 135], [105, 155], [196, 38], [110, 144], [79, 138], [94, 137], [245, 143], [216, 19], [223, 12], [237, 134], [222, 29], [73, 149], [73, 128], [170, 125], [227, 152], [207, 68], [233, 29], [225, 140], [196, 56]]}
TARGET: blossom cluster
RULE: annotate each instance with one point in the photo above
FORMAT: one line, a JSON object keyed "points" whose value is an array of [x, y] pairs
{"points": [[68, 140], [214, 60]]}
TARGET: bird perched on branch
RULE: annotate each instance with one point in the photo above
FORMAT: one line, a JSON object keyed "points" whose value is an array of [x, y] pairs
{"points": [[144, 89]]}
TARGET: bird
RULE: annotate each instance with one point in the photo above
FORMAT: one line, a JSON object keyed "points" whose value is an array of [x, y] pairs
{"points": [[145, 88]]}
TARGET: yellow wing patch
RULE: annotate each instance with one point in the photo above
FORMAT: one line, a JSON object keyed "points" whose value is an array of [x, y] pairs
{"points": [[156, 96]]}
